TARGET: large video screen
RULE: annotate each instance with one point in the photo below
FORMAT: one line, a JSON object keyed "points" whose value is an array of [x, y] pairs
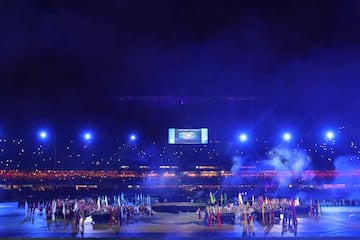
{"points": [[188, 136]]}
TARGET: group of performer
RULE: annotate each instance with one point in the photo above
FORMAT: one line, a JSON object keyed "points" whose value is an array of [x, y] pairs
{"points": [[315, 209], [289, 219], [77, 212], [265, 211], [211, 216], [247, 220]]}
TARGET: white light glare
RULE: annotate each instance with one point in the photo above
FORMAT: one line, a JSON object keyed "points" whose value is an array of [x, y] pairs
{"points": [[329, 135], [287, 136], [243, 137], [132, 137], [43, 134], [87, 136]]}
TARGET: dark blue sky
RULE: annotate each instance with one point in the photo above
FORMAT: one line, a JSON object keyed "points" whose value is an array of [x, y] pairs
{"points": [[63, 61]]}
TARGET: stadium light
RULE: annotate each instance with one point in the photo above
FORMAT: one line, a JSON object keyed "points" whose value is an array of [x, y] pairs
{"points": [[287, 136], [243, 137], [330, 135], [132, 137], [43, 134], [87, 136]]}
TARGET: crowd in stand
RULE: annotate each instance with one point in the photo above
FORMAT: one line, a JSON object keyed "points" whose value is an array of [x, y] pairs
{"points": [[25, 153]]}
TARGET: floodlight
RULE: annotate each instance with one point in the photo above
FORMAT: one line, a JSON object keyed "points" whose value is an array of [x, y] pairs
{"points": [[132, 137], [87, 136], [243, 137], [287, 136], [330, 135], [43, 134]]}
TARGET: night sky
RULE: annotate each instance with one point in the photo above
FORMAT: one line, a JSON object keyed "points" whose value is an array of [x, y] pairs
{"points": [[63, 62]]}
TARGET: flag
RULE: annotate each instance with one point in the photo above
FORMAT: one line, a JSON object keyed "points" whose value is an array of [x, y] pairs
{"points": [[106, 201], [225, 198], [214, 198], [63, 209], [263, 211], [26, 208], [294, 211], [206, 216], [137, 198], [122, 197], [221, 199], [149, 203], [240, 201], [253, 199], [219, 217], [98, 203], [53, 208], [75, 206]]}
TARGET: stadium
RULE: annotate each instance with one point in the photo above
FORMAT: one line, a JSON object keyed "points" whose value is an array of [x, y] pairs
{"points": [[149, 158], [179, 119], [194, 160], [309, 162]]}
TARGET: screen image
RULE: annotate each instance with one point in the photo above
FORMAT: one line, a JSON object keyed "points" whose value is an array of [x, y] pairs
{"points": [[188, 136]]}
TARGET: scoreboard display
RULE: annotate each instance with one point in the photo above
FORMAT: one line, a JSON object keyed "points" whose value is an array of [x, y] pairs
{"points": [[188, 136]]}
